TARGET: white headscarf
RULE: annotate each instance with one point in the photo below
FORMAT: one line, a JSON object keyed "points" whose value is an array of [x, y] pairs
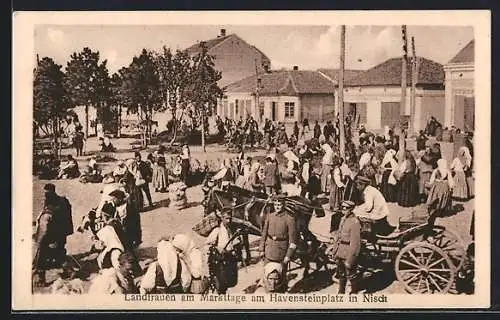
{"points": [[389, 158], [466, 154], [442, 166]]}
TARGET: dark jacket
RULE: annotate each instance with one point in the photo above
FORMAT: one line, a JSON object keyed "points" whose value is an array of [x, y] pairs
{"points": [[278, 235], [145, 171], [348, 242]]}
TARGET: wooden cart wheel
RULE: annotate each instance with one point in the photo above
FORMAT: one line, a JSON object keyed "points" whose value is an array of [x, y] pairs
{"points": [[450, 243], [424, 268]]}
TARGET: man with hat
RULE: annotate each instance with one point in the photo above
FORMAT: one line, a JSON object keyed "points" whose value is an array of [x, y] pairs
{"points": [[374, 207], [347, 246], [279, 237], [53, 225]]}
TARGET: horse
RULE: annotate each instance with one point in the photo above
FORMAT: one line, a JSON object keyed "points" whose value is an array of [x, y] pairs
{"points": [[250, 210]]}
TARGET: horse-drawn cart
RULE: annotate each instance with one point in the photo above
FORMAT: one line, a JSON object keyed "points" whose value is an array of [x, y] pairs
{"points": [[425, 257]]}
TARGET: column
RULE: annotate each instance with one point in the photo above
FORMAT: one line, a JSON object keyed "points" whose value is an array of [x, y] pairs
{"points": [[448, 100]]}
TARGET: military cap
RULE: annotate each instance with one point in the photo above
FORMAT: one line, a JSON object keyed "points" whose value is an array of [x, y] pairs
{"points": [[348, 204]]}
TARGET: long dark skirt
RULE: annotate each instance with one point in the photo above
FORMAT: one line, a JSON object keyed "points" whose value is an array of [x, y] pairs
{"points": [[132, 227], [388, 190], [336, 195], [185, 167], [407, 190]]}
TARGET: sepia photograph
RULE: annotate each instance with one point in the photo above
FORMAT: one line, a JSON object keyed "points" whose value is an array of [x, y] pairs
{"points": [[238, 162]]}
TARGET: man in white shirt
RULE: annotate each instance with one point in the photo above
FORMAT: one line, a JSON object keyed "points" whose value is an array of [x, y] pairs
{"points": [[374, 207], [326, 163]]}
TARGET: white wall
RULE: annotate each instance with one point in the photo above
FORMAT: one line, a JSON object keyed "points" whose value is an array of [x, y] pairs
{"points": [[459, 80], [374, 96]]}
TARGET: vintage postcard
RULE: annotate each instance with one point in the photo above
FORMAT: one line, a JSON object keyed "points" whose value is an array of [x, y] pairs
{"points": [[251, 160]]}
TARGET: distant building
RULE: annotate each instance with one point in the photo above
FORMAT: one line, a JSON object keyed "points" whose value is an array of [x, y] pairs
{"points": [[284, 95], [459, 89], [374, 95], [234, 57]]}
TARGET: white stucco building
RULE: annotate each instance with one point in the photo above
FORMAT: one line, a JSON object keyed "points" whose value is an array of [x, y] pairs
{"points": [[375, 94], [459, 90]]}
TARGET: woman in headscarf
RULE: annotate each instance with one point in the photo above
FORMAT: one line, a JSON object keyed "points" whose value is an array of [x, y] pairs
{"points": [[426, 165], [439, 199], [388, 183], [458, 167], [190, 254], [160, 176], [168, 274], [407, 188], [256, 178]]}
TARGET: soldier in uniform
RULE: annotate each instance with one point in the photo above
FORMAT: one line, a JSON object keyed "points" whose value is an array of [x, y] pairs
{"points": [[279, 237], [53, 226], [347, 246]]}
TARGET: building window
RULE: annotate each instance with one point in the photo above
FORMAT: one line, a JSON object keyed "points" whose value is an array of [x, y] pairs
{"points": [[236, 111], [248, 108], [289, 110], [261, 109]]}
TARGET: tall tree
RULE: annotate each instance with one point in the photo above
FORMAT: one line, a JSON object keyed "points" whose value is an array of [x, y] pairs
{"points": [[50, 101], [102, 99], [141, 86], [174, 71], [204, 91], [116, 97], [81, 80]]}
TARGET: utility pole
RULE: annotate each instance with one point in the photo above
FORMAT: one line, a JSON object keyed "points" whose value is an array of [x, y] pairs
{"points": [[341, 92], [257, 91], [414, 79], [404, 60]]}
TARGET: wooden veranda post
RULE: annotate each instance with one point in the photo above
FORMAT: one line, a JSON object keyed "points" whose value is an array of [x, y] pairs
{"points": [[341, 92]]}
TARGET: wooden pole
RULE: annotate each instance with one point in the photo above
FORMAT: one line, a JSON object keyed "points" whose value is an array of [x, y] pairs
{"points": [[414, 77], [341, 92], [404, 59]]}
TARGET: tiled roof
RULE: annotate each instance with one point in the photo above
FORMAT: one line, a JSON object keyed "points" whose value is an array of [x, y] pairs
{"points": [[195, 48], [389, 73], [334, 74], [284, 82], [465, 55]]}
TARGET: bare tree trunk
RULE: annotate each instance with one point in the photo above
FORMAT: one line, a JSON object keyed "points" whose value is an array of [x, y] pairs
{"points": [[177, 124], [119, 121], [203, 131], [86, 131]]}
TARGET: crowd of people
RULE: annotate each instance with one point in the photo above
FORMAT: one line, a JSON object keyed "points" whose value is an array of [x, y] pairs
{"points": [[376, 170]]}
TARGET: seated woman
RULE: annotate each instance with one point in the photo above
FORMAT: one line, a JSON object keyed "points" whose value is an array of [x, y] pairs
{"points": [[69, 169], [107, 146], [167, 274]]}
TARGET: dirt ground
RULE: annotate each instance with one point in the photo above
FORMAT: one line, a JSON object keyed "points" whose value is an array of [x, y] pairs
{"points": [[162, 221]]}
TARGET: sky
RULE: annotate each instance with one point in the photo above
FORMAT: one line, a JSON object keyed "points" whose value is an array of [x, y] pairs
{"points": [[309, 47]]}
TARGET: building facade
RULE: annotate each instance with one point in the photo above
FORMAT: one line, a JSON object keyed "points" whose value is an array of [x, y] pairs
{"points": [[374, 96], [234, 57], [283, 95], [459, 89]]}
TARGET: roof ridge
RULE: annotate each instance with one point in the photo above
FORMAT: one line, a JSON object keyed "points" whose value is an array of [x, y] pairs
{"points": [[327, 77], [292, 80]]}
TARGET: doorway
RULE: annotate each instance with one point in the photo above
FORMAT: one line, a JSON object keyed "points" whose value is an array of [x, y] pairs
{"points": [[273, 111]]}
